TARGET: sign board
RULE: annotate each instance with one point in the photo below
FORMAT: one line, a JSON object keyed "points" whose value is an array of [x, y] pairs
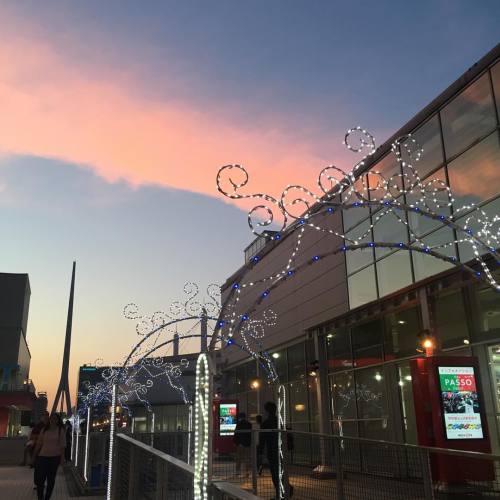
{"points": [[460, 402], [227, 418]]}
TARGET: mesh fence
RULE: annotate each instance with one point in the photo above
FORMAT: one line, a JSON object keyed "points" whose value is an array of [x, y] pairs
{"points": [[97, 460], [143, 475], [176, 444], [313, 467], [316, 466]]}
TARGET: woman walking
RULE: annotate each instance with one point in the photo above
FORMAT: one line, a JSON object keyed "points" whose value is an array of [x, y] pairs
{"points": [[49, 454]]}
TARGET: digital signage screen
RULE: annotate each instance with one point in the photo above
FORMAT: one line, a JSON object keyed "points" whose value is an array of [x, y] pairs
{"points": [[460, 402], [227, 418]]}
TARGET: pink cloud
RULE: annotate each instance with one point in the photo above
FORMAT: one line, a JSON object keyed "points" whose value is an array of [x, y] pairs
{"points": [[52, 108]]}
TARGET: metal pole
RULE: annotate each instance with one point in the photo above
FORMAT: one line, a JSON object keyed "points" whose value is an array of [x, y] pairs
{"points": [[77, 438], [152, 427], [86, 463], [73, 438], [190, 431], [111, 442]]}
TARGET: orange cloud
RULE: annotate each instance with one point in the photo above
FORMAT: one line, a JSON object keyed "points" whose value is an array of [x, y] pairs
{"points": [[52, 108]]}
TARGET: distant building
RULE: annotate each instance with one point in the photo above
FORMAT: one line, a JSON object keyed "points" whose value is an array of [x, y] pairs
{"points": [[166, 403], [40, 406], [17, 393]]}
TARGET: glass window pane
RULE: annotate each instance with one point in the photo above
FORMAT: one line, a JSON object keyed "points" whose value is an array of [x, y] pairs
{"points": [[495, 75], [469, 116], [356, 259], [428, 138], [354, 215], [299, 402], [401, 330], [362, 287], [296, 362], [427, 265], [389, 170], [388, 228], [343, 395], [338, 349], [407, 405], [450, 319], [370, 393], [280, 364], [474, 175], [465, 249], [419, 223], [488, 301], [367, 341], [394, 272]]}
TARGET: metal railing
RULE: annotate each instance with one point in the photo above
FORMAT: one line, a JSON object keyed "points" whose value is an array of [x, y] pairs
{"points": [[91, 465], [315, 466], [318, 466], [141, 472]]}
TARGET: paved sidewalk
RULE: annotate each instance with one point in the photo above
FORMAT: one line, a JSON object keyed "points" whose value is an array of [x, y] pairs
{"points": [[16, 483]]}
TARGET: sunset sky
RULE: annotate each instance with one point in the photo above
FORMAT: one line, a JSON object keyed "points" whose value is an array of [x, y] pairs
{"points": [[116, 115]]}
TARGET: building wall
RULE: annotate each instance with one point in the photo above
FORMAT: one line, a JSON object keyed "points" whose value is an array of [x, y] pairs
{"points": [[368, 310], [460, 142], [314, 295]]}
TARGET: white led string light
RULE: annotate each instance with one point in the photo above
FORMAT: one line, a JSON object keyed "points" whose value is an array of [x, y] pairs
{"points": [[87, 436], [77, 438], [111, 441], [402, 195], [282, 430], [202, 409]]}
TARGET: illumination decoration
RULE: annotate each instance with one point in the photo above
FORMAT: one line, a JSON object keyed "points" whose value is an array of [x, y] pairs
{"points": [[111, 441], [202, 416], [402, 196], [86, 462], [73, 436], [77, 439], [282, 428]]}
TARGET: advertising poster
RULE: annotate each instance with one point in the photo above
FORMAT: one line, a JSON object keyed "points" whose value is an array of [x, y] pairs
{"points": [[227, 418], [460, 402]]}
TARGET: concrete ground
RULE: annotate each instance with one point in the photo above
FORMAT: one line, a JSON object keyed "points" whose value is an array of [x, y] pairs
{"points": [[16, 483]]}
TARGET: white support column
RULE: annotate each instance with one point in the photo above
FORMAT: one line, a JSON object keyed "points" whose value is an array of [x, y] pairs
{"points": [[87, 436], [203, 427], [73, 437], [190, 431], [282, 428], [77, 438], [111, 442]]}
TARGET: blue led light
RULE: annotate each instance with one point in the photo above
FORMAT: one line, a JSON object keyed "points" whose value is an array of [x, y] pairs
{"points": [[416, 209], [386, 203], [236, 286], [221, 323], [371, 244], [244, 317], [344, 248], [289, 273], [302, 221], [265, 294], [230, 341], [316, 257], [469, 231], [478, 273], [329, 209], [427, 249], [277, 236], [442, 217], [256, 258], [356, 204], [401, 245]]}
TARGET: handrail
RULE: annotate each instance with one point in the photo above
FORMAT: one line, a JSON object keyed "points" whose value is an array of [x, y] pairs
{"points": [[433, 449], [160, 454], [234, 491]]}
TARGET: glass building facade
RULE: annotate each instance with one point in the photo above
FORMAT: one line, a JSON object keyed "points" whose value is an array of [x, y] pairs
{"points": [[395, 295]]}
